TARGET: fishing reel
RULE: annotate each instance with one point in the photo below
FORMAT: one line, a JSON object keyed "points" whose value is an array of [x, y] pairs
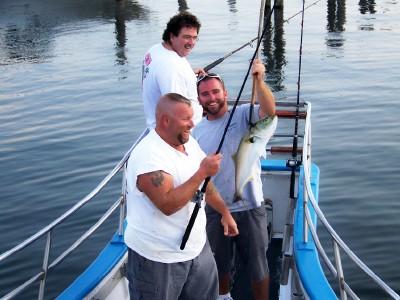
{"points": [[198, 197], [293, 163]]}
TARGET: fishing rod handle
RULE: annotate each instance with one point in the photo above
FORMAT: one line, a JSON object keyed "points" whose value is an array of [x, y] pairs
{"points": [[189, 226], [213, 64]]}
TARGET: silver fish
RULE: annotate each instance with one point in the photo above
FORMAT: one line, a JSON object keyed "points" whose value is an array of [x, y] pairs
{"points": [[250, 150]]}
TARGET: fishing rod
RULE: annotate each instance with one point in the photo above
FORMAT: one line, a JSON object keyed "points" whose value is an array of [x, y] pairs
{"points": [[221, 59], [249, 43], [253, 89], [198, 197], [292, 162]]}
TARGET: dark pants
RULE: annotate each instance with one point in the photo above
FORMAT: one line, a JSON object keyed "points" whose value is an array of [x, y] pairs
{"points": [[251, 243], [195, 279]]}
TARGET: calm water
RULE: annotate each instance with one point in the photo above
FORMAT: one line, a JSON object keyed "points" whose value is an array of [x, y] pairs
{"points": [[70, 107]]}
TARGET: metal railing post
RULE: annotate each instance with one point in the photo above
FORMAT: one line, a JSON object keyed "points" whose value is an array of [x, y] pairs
{"points": [[305, 201], [339, 269], [122, 207], [45, 266]]}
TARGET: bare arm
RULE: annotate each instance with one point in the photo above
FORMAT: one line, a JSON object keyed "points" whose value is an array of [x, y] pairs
{"points": [[159, 185], [264, 95], [214, 199]]}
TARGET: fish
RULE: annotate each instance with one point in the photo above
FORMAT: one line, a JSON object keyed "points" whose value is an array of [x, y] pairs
{"points": [[251, 148]]}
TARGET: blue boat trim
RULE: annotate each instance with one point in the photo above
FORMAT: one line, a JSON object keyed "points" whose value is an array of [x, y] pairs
{"points": [[98, 269], [274, 165], [308, 264]]}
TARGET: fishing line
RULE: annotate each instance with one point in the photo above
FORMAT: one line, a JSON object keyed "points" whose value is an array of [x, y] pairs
{"points": [[253, 88], [244, 82], [199, 194], [221, 59]]}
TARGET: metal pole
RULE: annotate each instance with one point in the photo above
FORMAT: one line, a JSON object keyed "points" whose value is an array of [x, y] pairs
{"points": [[45, 266], [305, 201], [122, 207], [339, 269]]}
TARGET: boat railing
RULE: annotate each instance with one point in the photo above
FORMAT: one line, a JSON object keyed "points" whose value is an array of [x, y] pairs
{"points": [[47, 231], [338, 244]]}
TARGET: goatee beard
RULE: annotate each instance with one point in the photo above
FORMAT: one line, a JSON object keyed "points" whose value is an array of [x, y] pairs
{"points": [[181, 139]]}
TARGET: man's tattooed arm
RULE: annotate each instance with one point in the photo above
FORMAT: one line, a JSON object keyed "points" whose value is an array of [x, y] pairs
{"points": [[157, 178]]}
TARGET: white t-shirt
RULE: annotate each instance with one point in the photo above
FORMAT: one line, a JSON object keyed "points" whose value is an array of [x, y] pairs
{"points": [[149, 232], [164, 71]]}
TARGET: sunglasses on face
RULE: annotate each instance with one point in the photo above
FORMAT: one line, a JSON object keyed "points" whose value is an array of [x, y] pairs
{"points": [[208, 75]]}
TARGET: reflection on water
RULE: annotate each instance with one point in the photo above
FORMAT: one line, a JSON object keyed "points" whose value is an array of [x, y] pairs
{"points": [[27, 43], [274, 49], [120, 31], [182, 5], [336, 17], [367, 6], [30, 26], [232, 6]]}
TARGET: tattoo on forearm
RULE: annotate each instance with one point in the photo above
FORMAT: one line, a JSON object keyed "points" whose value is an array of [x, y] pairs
{"points": [[157, 178]]}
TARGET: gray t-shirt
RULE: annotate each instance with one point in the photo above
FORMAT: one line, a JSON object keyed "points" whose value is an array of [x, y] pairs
{"points": [[209, 134]]}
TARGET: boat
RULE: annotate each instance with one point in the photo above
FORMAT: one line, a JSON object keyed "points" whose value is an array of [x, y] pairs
{"points": [[301, 264]]}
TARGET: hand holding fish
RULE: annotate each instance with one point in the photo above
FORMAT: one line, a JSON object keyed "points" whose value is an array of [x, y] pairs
{"points": [[251, 148]]}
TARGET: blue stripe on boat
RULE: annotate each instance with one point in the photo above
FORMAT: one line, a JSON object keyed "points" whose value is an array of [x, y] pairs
{"points": [[97, 270], [308, 265]]}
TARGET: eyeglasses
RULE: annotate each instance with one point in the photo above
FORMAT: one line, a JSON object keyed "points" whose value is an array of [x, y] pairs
{"points": [[207, 75], [190, 37]]}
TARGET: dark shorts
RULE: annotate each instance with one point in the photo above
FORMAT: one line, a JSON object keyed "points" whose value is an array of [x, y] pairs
{"points": [[196, 279], [251, 244]]}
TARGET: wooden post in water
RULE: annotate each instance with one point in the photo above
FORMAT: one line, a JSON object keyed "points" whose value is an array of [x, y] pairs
{"points": [[278, 4], [182, 5]]}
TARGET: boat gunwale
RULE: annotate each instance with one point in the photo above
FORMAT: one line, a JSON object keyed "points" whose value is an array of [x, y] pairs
{"points": [[300, 234]]}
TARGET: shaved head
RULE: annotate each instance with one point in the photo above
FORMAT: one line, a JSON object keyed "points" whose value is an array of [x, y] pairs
{"points": [[174, 119], [168, 102]]}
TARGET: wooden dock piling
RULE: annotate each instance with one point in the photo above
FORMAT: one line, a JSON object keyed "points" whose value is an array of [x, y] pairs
{"points": [[278, 4]]}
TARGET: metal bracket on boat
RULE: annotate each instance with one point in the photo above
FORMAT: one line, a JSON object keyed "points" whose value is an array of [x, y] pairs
{"points": [[198, 197]]}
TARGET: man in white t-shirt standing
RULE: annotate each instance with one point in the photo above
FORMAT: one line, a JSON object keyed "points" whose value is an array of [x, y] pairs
{"points": [[163, 174], [165, 68]]}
